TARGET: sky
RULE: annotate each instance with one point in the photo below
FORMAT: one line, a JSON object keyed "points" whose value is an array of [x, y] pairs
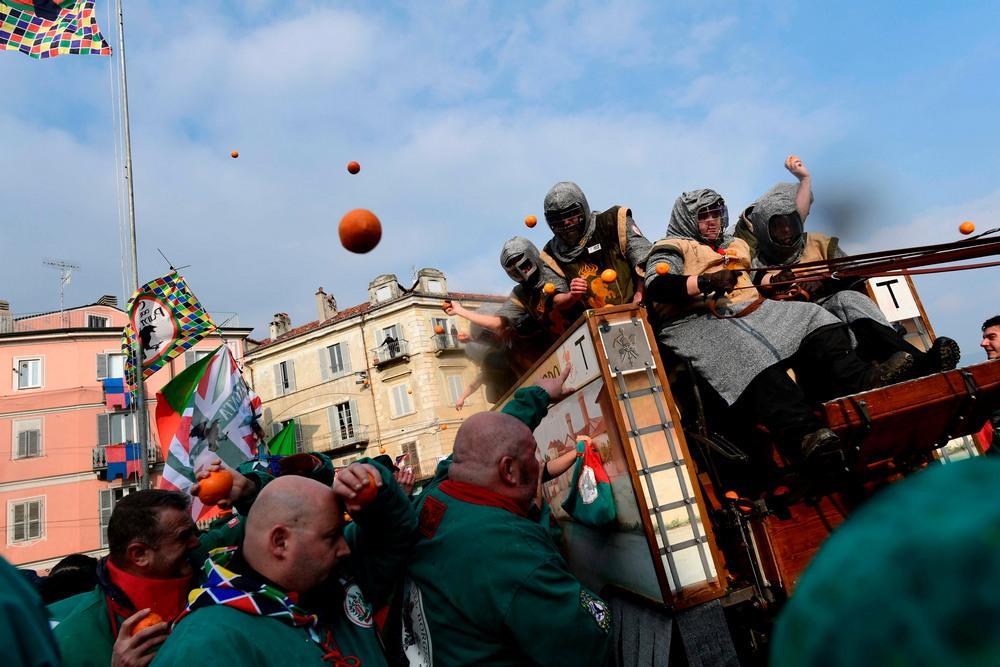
{"points": [[463, 114]]}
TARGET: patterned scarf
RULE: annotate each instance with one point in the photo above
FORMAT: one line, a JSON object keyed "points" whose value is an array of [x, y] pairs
{"points": [[225, 587]]}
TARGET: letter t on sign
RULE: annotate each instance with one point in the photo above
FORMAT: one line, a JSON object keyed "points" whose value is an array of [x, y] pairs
{"points": [[894, 299]]}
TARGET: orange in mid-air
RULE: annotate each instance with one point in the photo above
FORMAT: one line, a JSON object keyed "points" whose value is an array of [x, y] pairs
{"points": [[530, 221], [367, 492], [353, 167], [439, 329], [967, 227], [234, 154], [549, 288], [662, 268], [148, 621], [360, 230], [609, 275], [215, 487]]}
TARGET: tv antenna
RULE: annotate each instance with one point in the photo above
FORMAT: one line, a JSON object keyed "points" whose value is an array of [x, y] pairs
{"points": [[66, 270]]}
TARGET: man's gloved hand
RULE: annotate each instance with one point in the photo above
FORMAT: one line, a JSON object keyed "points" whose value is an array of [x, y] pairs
{"points": [[718, 282], [783, 276], [812, 287]]}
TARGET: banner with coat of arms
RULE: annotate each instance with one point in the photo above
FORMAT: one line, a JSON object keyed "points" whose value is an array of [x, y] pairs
{"points": [[167, 319]]}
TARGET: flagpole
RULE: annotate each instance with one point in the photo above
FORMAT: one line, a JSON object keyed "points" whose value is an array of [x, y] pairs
{"points": [[142, 417]]}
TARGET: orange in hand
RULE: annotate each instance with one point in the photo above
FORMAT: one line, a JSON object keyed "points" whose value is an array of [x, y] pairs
{"points": [[148, 621], [367, 492], [662, 269], [215, 487], [530, 221], [967, 227], [360, 230], [609, 275], [549, 288]]}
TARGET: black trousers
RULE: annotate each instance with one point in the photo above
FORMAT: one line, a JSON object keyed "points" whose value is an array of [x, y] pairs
{"points": [[877, 342], [826, 365]]}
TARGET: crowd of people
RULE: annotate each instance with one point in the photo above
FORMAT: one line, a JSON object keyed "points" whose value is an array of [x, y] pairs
{"points": [[313, 568]]}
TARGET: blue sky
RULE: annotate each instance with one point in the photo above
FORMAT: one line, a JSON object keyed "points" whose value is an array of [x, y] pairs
{"points": [[462, 114]]}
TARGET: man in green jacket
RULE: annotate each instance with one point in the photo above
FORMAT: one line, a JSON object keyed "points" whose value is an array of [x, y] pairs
{"points": [[486, 585], [301, 589], [25, 638], [155, 554]]}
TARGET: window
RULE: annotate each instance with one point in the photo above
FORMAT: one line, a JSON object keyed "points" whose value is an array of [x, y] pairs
{"points": [[284, 377], [29, 373], [110, 366], [335, 361], [108, 499], [401, 404], [96, 322], [344, 422], [390, 342], [115, 427], [383, 293], [25, 520], [348, 461], [412, 458], [455, 387], [27, 438], [434, 286]]}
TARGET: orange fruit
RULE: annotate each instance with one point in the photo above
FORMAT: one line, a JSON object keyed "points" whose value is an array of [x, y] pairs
{"points": [[732, 495], [662, 268], [148, 621], [966, 227], [549, 288], [234, 154], [359, 230], [444, 427], [609, 275], [353, 167], [439, 329], [530, 221], [215, 487], [367, 492], [445, 305]]}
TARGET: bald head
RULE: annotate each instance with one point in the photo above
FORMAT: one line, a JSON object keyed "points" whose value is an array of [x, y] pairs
{"points": [[496, 451], [291, 532]]}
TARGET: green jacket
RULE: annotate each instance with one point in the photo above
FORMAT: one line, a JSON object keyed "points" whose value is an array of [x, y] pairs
{"points": [[25, 638], [82, 625], [487, 586], [380, 541]]}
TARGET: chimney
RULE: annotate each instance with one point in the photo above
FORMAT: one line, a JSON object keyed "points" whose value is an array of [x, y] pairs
{"points": [[569, 425], [280, 325], [6, 318], [583, 409], [326, 305], [108, 300]]}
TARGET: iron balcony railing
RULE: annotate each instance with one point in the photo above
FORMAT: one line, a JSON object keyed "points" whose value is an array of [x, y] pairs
{"points": [[390, 351]]}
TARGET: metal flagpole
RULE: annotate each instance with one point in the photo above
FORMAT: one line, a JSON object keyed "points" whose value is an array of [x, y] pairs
{"points": [[142, 417]]}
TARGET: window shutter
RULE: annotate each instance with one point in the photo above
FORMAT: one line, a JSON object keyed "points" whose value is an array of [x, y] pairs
{"points": [[324, 363], [34, 442], [102, 366], [355, 421], [291, 375], [188, 358], [103, 428], [279, 388], [345, 354], [300, 445], [129, 428], [22, 444], [331, 417]]}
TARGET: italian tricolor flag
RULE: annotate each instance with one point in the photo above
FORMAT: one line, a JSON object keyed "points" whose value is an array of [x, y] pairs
{"points": [[203, 414]]}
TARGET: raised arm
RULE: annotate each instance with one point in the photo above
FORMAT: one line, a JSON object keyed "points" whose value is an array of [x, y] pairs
{"points": [[491, 322], [803, 197]]}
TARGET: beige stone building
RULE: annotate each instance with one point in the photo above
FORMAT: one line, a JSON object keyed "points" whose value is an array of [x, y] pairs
{"points": [[379, 377]]}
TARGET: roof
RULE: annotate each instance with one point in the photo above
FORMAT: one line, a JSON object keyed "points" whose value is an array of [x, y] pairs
{"points": [[365, 307], [96, 304]]}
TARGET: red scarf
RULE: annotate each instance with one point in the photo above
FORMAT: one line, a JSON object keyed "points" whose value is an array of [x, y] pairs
{"points": [[167, 597], [479, 495]]}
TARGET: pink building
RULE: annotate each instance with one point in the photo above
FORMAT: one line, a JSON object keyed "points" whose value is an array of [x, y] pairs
{"points": [[55, 425]]}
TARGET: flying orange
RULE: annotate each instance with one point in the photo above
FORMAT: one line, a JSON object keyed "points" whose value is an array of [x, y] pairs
{"points": [[360, 230], [353, 167], [530, 221], [967, 227]]}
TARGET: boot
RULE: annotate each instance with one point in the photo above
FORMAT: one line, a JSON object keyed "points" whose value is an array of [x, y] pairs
{"points": [[894, 369], [821, 444], [943, 356]]}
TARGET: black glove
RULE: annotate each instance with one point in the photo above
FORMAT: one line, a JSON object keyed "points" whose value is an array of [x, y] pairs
{"points": [[718, 282], [785, 275]]}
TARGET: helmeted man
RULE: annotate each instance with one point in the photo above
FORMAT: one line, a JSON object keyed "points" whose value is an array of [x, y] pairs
{"points": [[743, 348], [777, 226], [585, 244]]}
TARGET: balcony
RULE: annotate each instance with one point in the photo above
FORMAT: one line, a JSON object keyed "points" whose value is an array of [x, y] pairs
{"points": [[447, 343], [390, 352], [355, 438], [99, 458]]}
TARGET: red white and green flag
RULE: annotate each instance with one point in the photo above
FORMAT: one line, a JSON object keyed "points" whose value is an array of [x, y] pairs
{"points": [[205, 413], [49, 28], [169, 319]]}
